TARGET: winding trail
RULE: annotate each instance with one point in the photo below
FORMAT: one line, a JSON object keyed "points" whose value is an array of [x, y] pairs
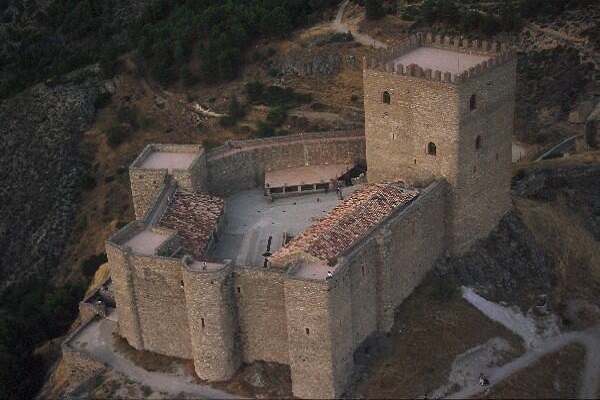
{"points": [[537, 346], [96, 339], [561, 147], [364, 39]]}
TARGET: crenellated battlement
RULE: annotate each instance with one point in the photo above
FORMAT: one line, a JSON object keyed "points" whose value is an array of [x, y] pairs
{"points": [[387, 59]]}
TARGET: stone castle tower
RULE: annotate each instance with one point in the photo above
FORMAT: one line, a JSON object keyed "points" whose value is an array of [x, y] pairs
{"points": [[443, 108]]}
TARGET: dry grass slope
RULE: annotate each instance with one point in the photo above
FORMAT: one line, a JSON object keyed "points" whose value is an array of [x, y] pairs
{"points": [[417, 357], [555, 375]]}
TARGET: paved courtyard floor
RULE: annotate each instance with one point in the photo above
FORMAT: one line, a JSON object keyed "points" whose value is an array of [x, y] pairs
{"points": [[250, 220]]}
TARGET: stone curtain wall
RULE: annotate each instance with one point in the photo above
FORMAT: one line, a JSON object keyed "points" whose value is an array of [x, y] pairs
{"points": [[373, 279], [220, 318], [150, 299], [241, 164], [232, 173], [262, 316], [310, 338], [482, 193], [80, 367], [410, 244], [213, 322], [122, 278], [397, 134], [161, 304], [146, 185]]}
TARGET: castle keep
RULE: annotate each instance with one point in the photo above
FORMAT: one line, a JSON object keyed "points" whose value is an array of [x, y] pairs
{"points": [[250, 252]]}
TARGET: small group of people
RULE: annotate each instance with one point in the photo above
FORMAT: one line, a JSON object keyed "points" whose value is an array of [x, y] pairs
{"points": [[483, 380], [329, 275]]}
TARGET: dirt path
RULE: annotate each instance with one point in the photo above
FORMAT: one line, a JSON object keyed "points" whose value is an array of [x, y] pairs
{"points": [[561, 147], [364, 39], [574, 40], [537, 345], [97, 341]]}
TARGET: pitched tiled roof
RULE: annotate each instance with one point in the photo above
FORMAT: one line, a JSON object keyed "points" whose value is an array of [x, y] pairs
{"points": [[194, 216], [347, 222]]}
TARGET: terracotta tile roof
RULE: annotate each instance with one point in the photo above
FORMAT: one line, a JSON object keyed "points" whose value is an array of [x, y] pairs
{"points": [[194, 216], [347, 222]]}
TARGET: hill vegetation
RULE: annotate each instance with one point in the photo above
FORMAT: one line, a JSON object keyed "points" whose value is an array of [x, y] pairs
{"points": [[45, 42]]}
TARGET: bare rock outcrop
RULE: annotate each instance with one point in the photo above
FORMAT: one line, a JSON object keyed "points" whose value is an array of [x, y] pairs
{"points": [[43, 164]]}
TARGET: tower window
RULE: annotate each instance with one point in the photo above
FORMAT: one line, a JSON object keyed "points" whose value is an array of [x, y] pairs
{"points": [[386, 98], [202, 322], [307, 331], [472, 102], [478, 142], [431, 149]]}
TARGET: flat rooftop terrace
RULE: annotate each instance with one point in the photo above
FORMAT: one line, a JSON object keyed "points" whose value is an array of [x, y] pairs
{"points": [[440, 59], [250, 220], [146, 242], [168, 160], [306, 174]]}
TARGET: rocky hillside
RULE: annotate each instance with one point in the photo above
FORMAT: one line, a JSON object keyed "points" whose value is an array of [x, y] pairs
{"points": [[545, 250], [44, 168]]}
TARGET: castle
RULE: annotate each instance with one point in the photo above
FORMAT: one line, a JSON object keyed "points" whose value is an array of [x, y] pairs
{"points": [[251, 251]]}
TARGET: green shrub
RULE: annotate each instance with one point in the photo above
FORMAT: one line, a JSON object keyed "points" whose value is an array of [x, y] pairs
{"points": [[128, 115], [235, 109], [87, 182], [102, 100], [264, 129], [227, 121], [337, 37], [258, 93], [115, 135], [374, 9], [277, 115]]}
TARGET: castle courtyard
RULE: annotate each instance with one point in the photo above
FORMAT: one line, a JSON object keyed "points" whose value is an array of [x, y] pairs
{"points": [[250, 219]]}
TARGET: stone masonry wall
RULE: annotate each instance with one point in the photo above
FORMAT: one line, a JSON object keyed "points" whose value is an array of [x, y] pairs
{"points": [[80, 367], [146, 184], [371, 281], [213, 322], [122, 278], [241, 165], [482, 193], [161, 305], [310, 338], [397, 134], [425, 109], [260, 299], [410, 244]]}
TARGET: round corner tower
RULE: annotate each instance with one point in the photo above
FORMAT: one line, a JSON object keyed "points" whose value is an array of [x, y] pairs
{"points": [[443, 108]]}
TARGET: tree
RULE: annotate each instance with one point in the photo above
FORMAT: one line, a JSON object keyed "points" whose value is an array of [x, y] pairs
{"points": [[276, 23], [374, 9]]}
